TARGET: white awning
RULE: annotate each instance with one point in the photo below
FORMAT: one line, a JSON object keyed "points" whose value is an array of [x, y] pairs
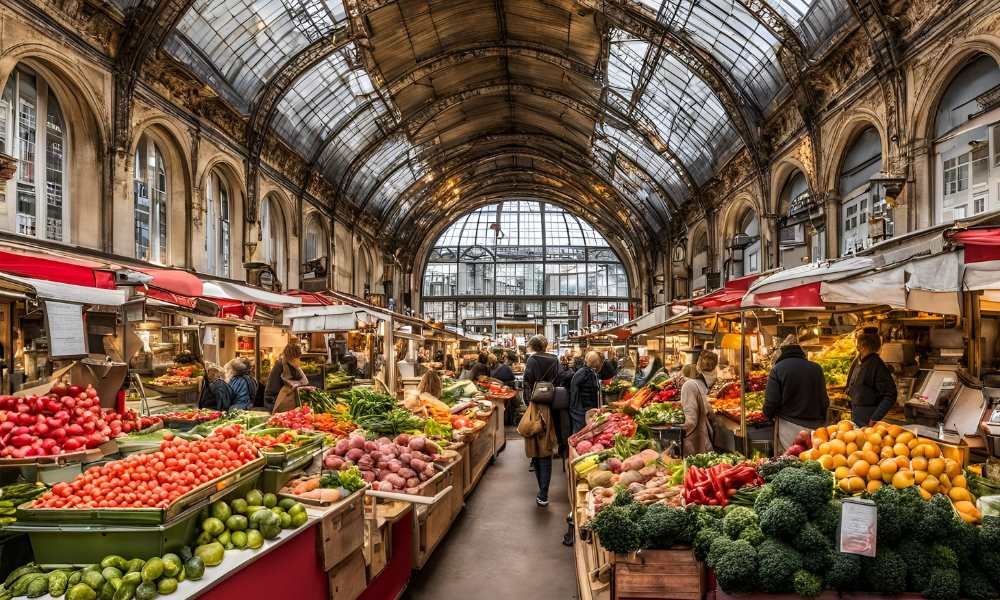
{"points": [[315, 319], [233, 291], [650, 320], [808, 274], [65, 292]]}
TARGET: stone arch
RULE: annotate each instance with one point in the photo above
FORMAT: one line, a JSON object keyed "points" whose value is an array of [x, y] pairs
{"points": [[88, 208], [231, 175], [736, 211], [284, 254], [847, 132], [179, 185], [781, 172]]}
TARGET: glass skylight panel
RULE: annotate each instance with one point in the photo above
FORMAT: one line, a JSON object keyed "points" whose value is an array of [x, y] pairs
{"points": [[821, 21], [643, 156], [740, 42], [247, 40], [352, 134], [394, 186], [318, 101], [625, 62]]}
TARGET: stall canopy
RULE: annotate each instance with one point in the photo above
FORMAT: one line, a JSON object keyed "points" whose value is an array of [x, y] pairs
{"points": [[799, 287], [310, 298], [65, 292], [316, 319], [729, 297], [226, 290], [70, 271]]}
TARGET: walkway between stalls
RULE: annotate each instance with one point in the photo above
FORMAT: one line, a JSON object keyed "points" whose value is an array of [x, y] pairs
{"points": [[502, 546]]}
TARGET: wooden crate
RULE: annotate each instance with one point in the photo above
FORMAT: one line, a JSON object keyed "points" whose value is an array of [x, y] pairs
{"points": [[378, 546], [659, 574], [458, 469], [348, 579], [481, 453], [500, 431], [342, 531], [431, 522]]}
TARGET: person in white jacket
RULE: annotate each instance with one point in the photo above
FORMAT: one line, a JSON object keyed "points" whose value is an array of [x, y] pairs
{"points": [[694, 402]]}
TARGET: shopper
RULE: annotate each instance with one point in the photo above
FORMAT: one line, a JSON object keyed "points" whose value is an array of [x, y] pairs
{"points": [[796, 394], [242, 385], [870, 385], [480, 368], [286, 377], [430, 383], [609, 368], [541, 444], [502, 372], [584, 391], [653, 365], [694, 402], [215, 394]]}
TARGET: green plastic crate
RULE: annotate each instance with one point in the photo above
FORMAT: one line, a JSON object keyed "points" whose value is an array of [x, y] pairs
{"points": [[273, 479]]}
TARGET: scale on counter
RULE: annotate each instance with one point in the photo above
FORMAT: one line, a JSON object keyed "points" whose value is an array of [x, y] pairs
{"points": [[991, 426], [953, 401]]}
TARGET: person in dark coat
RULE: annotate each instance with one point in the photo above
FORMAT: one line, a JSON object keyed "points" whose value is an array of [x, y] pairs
{"points": [[480, 368], [869, 383], [540, 366], [502, 372], [584, 391], [241, 384], [215, 392], [609, 368], [796, 397]]}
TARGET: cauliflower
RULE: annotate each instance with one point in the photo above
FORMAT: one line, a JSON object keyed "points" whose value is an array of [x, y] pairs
{"points": [[782, 519], [776, 566], [807, 585], [737, 519], [735, 566]]}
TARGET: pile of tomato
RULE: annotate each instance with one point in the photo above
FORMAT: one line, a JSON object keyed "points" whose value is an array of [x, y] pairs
{"points": [[297, 418], [270, 441], [194, 415], [157, 479]]}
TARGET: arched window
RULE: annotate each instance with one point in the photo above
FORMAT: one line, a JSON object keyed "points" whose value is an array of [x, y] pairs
{"points": [[745, 246], [967, 142], [802, 235], [39, 193], [314, 243], [699, 264], [864, 216], [272, 236], [218, 211], [150, 190]]}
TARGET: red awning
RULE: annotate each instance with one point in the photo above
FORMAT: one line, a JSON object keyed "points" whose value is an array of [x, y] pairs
{"points": [[311, 298], [234, 309], [981, 245], [173, 281], [802, 296], [168, 297], [729, 297], [61, 270]]}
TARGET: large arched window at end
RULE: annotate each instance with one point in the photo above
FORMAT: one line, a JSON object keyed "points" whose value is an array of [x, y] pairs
{"points": [[272, 236], [967, 142], [802, 229], [149, 187], [745, 246], [37, 204], [864, 216], [218, 212]]}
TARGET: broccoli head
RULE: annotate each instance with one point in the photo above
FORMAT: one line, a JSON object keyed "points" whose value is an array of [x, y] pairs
{"points": [[665, 526], [776, 566], [844, 572], [706, 516], [736, 566], [616, 530], [917, 556], [935, 523], [782, 519], [807, 585], [988, 548], [623, 498], [944, 584], [754, 535], [944, 557], [976, 585], [720, 545], [738, 519], [764, 497], [899, 512], [962, 537], [769, 468], [827, 519], [886, 573], [989, 532], [703, 541], [810, 489]]}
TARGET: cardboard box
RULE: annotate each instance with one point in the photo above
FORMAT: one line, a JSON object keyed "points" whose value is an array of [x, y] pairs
{"points": [[106, 377]]}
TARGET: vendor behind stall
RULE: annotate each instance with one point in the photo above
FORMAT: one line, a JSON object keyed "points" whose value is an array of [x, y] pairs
{"points": [[796, 397], [285, 373], [215, 392], [869, 383]]}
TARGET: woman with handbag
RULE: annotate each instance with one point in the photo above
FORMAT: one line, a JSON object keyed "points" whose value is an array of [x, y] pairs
{"points": [[537, 426], [285, 379]]}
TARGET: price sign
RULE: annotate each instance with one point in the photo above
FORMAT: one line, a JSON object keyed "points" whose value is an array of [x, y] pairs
{"points": [[858, 527]]}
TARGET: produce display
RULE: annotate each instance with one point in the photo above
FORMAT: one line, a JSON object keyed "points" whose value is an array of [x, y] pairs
{"points": [[337, 380], [616, 385], [304, 418], [659, 414], [729, 405], [14, 495], [178, 376], [715, 485], [429, 407], [155, 479], [453, 391], [246, 522], [194, 415], [600, 433], [863, 460], [389, 465], [326, 487], [364, 402], [311, 367], [67, 419], [278, 439]]}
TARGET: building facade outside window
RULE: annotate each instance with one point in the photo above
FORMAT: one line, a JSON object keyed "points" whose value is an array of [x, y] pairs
{"points": [[38, 196], [218, 210], [967, 143], [149, 188], [863, 211]]}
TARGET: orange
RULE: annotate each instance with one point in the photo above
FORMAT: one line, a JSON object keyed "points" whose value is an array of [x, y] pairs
{"points": [[874, 473], [824, 448], [912, 443], [958, 494], [886, 452], [873, 486], [849, 436], [806, 455], [952, 468], [826, 461], [870, 457], [831, 430], [875, 439], [845, 485], [924, 493], [932, 450], [868, 446], [888, 467], [822, 434], [845, 425], [857, 484], [930, 483], [851, 448], [853, 459], [901, 450], [935, 466], [896, 430], [966, 506], [918, 464], [918, 450], [838, 447], [881, 428], [860, 469], [902, 479], [841, 472], [919, 476], [902, 462], [959, 481], [904, 437], [839, 460]]}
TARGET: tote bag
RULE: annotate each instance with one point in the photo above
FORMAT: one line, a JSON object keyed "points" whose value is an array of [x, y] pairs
{"points": [[287, 397]]}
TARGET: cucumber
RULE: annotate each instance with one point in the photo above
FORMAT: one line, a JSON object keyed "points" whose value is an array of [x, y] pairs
{"points": [[20, 571], [21, 585]]}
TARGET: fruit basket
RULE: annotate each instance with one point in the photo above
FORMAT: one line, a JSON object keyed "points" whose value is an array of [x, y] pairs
{"points": [[283, 455], [27, 513], [188, 419]]}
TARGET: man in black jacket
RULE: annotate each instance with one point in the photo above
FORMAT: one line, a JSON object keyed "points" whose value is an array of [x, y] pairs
{"points": [[610, 366], [796, 394], [869, 383], [584, 391]]}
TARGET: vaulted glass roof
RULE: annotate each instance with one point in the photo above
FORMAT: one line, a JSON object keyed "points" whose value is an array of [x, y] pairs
{"points": [[521, 224]]}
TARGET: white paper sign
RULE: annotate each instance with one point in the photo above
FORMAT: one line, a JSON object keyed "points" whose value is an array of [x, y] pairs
{"points": [[858, 527], [67, 337]]}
